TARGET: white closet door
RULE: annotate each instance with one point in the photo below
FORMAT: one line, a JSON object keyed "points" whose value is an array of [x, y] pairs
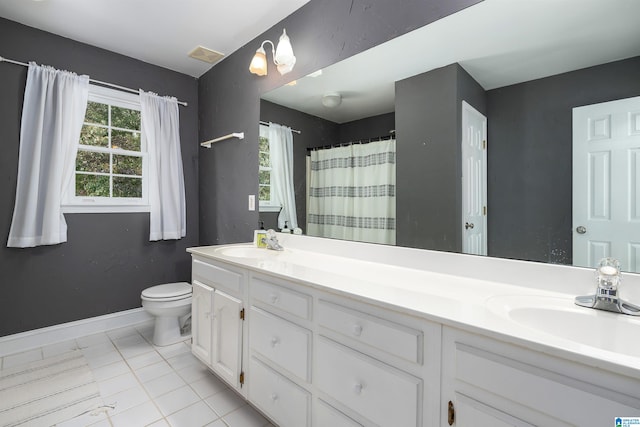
{"points": [[606, 183]]}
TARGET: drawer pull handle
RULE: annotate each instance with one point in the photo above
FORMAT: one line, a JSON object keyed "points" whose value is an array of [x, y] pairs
{"points": [[274, 299], [275, 341], [357, 330], [357, 388], [274, 397], [451, 416]]}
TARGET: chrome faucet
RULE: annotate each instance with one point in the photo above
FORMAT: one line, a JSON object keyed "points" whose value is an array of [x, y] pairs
{"points": [[606, 296], [272, 241]]}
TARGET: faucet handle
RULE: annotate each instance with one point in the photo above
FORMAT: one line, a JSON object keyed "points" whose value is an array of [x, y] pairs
{"points": [[608, 274]]}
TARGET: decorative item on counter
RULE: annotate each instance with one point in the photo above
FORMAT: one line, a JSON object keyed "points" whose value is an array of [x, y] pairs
{"points": [[260, 237], [297, 231]]}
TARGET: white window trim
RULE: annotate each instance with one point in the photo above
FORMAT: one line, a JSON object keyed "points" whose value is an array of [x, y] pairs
{"points": [[270, 205], [73, 204]]}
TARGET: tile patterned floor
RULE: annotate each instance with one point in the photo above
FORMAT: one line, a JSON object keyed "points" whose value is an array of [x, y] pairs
{"points": [[149, 385]]}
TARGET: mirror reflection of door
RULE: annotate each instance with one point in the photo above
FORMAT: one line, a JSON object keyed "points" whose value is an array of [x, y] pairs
{"points": [[474, 181], [606, 183]]}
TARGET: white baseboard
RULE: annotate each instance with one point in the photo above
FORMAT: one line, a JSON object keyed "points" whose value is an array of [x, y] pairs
{"points": [[24, 341]]}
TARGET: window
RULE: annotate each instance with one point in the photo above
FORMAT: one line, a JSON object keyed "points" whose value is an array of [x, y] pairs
{"points": [[266, 193], [111, 165]]}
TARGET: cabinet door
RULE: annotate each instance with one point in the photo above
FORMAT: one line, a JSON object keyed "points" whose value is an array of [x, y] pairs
{"points": [[201, 306], [227, 337]]}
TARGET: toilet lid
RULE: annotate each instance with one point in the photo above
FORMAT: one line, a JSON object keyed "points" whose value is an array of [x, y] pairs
{"points": [[168, 290]]}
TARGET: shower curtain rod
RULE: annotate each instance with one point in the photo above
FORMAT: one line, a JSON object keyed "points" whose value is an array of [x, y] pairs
{"points": [[359, 141], [292, 130], [115, 86]]}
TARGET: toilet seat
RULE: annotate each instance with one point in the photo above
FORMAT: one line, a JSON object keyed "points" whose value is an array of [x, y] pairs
{"points": [[167, 292]]}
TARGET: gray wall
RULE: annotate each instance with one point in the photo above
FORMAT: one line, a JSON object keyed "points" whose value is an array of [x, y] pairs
{"points": [[529, 156], [428, 126], [107, 260], [322, 32]]}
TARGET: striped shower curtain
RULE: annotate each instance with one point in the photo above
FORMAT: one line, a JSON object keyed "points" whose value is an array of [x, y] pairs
{"points": [[351, 192]]}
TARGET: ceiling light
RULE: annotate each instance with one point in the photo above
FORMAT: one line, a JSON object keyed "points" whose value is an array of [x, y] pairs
{"points": [[331, 100], [283, 57]]}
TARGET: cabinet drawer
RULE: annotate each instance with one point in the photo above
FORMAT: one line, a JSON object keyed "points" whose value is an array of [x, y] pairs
{"points": [[282, 342], [278, 397], [217, 277], [381, 393], [281, 298], [327, 415], [395, 339]]}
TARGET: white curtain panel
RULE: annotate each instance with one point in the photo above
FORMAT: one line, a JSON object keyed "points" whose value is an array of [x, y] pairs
{"points": [[161, 131], [352, 193], [281, 153], [53, 111]]}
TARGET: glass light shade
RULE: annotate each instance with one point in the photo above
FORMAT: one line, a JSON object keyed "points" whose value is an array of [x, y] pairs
{"points": [[284, 58], [259, 63]]}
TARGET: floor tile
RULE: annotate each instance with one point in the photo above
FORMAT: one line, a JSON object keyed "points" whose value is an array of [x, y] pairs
{"points": [[218, 423], [126, 399], [183, 360], [208, 386], [198, 414], [225, 402], [176, 400], [111, 370], [140, 415], [160, 423], [151, 372], [117, 384], [21, 358], [59, 348], [122, 332], [144, 359], [94, 339], [245, 416], [173, 350], [99, 360], [164, 384], [85, 420], [194, 372]]}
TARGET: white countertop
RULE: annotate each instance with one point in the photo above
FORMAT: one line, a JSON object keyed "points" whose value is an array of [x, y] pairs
{"points": [[466, 292]]}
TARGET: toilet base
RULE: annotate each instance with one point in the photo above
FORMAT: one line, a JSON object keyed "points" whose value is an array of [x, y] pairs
{"points": [[166, 331]]}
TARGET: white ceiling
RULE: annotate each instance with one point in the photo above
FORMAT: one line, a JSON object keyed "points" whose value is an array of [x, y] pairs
{"points": [[160, 32], [498, 42]]}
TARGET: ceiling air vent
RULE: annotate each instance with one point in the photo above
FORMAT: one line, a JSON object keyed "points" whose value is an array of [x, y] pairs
{"points": [[206, 55]]}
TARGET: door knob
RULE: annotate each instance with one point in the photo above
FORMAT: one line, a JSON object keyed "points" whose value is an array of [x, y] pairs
{"points": [[468, 225], [581, 229]]}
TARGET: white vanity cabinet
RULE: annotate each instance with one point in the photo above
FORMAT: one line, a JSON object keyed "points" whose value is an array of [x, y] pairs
{"points": [[280, 350], [489, 383], [218, 318]]}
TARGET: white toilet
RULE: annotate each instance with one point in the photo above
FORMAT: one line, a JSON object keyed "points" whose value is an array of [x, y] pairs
{"points": [[168, 303]]}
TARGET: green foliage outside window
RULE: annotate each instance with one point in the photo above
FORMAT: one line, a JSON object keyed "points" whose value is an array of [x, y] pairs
{"points": [[100, 163], [264, 175]]}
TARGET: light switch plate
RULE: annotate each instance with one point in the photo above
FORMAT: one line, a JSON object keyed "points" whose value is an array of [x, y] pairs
{"points": [[252, 202]]}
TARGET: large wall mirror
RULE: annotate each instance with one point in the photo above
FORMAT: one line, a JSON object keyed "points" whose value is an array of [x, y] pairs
{"points": [[525, 67]]}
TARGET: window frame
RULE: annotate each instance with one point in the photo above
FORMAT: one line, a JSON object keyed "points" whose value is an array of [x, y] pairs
{"points": [[267, 205], [83, 204]]}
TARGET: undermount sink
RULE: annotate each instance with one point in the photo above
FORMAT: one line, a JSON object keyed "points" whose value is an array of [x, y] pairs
{"points": [[562, 318], [246, 251]]}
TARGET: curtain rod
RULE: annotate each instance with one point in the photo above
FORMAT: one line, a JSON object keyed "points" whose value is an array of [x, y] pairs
{"points": [[360, 141], [292, 130], [115, 86]]}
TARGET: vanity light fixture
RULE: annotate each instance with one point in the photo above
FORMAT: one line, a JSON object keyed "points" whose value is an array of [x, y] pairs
{"points": [[282, 56]]}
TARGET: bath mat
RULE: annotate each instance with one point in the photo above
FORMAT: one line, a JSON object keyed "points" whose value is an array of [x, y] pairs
{"points": [[48, 391]]}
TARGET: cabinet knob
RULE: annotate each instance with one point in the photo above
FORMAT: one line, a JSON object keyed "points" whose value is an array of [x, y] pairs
{"points": [[275, 341], [274, 299], [357, 330], [357, 388]]}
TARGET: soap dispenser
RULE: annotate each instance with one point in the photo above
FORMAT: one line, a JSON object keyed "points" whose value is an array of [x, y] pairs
{"points": [[286, 228]]}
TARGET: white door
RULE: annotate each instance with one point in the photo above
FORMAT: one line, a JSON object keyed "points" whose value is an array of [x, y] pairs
{"points": [[201, 306], [227, 337], [474, 181], [606, 183]]}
